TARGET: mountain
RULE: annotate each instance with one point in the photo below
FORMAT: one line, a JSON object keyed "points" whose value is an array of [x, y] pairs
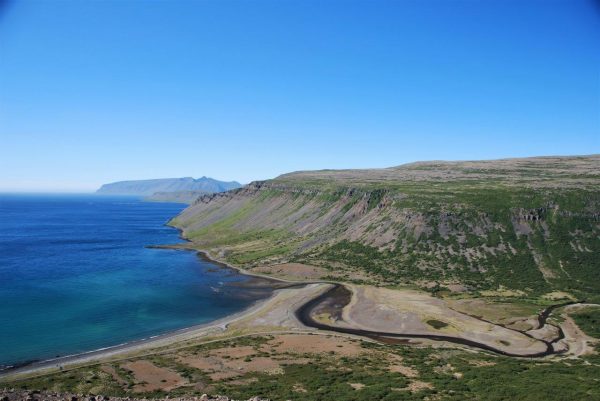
{"points": [[149, 187], [527, 226]]}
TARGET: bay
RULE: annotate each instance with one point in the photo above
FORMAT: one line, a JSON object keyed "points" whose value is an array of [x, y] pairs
{"points": [[76, 275]]}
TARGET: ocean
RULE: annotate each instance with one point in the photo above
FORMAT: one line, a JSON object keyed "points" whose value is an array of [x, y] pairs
{"points": [[76, 275]]}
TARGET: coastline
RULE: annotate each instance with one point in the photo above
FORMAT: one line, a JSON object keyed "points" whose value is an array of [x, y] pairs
{"points": [[217, 326], [305, 298], [218, 330], [203, 253]]}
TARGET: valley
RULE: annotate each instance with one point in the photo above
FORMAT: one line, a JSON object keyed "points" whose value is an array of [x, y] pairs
{"points": [[437, 280]]}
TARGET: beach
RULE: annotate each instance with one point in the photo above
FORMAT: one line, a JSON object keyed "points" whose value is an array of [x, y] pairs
{"points": [[78, 276], [275, 314]]}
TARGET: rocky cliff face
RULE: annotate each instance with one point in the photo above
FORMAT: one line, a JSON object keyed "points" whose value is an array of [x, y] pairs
{"points": [[527, 224]]}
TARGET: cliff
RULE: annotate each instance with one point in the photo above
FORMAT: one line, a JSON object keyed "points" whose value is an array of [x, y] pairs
{"points": [[531, 225]]}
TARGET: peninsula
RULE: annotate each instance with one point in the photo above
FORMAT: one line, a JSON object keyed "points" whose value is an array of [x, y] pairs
{"points": [[428, 279]]}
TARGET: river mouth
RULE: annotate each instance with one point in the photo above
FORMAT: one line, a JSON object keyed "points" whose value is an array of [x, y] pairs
{"points": [[77, 275], [333, 301]]}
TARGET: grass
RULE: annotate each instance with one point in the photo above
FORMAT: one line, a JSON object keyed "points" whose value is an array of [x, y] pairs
{"points": [[436, 324], [449, 374], [467, 230], [588, 320], [472, 232]]}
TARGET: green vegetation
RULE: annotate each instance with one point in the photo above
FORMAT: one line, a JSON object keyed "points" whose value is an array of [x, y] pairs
{"points": [[436, 324], [531, 226], [441, 374], [325, 380], [588, 320], [512, 230]]}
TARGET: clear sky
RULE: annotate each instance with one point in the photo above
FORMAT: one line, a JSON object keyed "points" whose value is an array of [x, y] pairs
{"points": [[99, 91]]}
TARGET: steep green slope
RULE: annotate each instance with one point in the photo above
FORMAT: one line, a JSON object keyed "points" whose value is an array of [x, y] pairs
{"points": [[187, 197], [531, 225]]}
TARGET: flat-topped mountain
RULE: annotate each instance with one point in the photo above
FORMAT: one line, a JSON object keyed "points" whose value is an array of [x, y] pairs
{"points": [[531, 225], [535, 171], [150, 187]]}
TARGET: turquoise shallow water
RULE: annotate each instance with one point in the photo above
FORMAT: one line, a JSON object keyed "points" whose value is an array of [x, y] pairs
{"points": [[75, 275]]}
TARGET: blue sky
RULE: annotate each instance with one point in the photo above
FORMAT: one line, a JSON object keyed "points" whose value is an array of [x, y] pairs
{"points": [[99, 91]]}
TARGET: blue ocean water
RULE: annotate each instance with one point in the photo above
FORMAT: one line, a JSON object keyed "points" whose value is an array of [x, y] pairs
{"points": [[75, 275]]}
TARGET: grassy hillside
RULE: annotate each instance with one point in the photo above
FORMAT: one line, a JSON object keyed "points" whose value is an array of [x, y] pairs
{"points": [[186, 197], [529, 226]]}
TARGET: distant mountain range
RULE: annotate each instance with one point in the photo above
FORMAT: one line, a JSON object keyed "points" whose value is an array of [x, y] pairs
{"points": [[150, 187]]}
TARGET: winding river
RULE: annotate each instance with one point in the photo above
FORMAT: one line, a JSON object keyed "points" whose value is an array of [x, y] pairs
{"points": [[339, 296]]}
